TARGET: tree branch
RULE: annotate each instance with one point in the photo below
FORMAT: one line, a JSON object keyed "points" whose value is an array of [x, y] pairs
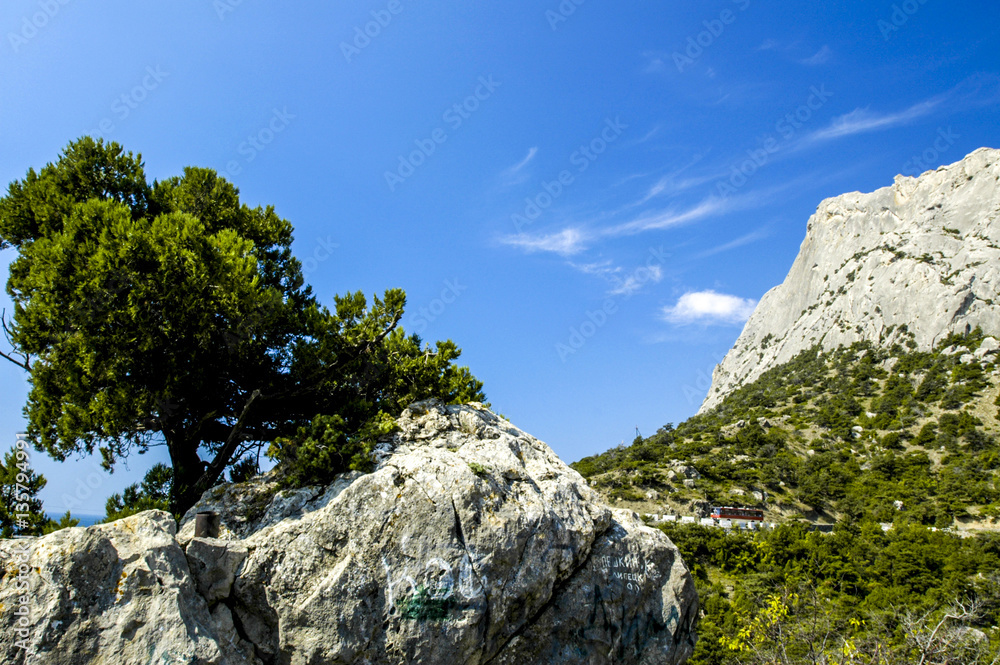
{"points": [[213, 470], [9, 334]]}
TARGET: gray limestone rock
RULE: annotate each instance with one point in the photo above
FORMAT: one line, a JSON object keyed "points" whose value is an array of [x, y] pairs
{"points": [[471, 543], [213, 564], [114, 593], [923, 253], [632, 603], [461, 541], [988, 346]]}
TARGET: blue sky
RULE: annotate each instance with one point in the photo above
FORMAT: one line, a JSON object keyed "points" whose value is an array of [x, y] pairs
{"points": [[588, 198]]}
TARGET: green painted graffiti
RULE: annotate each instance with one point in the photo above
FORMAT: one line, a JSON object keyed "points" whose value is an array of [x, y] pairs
{"points": [[426, 605]]}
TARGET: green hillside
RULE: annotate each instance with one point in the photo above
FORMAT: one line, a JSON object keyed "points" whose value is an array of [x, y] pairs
{"points": [[859, 433], [859, 437]]}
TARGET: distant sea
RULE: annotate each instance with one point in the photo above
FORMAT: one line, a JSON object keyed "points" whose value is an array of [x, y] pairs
{"points": [[85, 520]]}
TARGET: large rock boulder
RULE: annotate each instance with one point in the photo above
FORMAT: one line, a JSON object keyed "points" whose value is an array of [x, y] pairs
{"points": [[471, 543], [114, 593], [920, 257]]}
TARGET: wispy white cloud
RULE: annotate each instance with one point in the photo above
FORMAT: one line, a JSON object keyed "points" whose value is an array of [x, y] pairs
{"points": [[524, 162], [671, 184], [975, 91], [599, 268], [655, 65], [709, 308], [768, 45], [861, 121], [621, 283], [665, 219], [754, 236], [513, 175], [820, 58], [574, 240], [644, 138], [567, 242], [635, 281], [656, 61]]}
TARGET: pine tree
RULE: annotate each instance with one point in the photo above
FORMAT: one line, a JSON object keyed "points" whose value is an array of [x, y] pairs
{"points": [[21, 512]]}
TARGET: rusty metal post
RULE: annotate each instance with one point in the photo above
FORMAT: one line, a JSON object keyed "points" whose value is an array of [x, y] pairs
{"points": [[206, 524]]}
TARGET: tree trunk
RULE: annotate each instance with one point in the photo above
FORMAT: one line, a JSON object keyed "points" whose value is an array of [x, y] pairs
{"points": [[188, 469], [192, 476]]}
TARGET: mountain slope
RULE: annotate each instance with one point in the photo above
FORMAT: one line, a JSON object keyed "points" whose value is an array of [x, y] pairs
{"points": [[923, 253], [858, 433]]}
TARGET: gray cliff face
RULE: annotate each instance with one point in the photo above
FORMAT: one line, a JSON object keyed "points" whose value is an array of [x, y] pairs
{"points": [[471, 543], [924, 253]]}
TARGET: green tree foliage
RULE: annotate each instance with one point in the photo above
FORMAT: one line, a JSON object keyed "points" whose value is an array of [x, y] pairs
{"points": [[859, 595], [859, 432], [865, 436], [153, 493], [173, 314], [21, 512], [65, 522], [244, 470]]}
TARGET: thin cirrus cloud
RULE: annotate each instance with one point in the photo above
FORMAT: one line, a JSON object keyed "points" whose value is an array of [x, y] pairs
{"points": [[567, 242], [673, 184], [515, 174], [576, 239], [753, 236], [709, 308], [620, 282], [635, 282], [821, 57], [862, 121], [573, 240]]}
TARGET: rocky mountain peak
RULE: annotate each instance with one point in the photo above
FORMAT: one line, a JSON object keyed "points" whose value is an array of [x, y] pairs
{"points": [[919, 257]]}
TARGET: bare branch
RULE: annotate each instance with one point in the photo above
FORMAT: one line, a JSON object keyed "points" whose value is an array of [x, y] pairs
{"points": [[217, 465], [8, 333]]}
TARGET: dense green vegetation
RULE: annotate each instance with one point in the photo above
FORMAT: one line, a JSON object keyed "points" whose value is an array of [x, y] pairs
{"points": [[153, 493], [21, 512], [856, 433], [172, 313], [857, 595], [861, 436]]}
